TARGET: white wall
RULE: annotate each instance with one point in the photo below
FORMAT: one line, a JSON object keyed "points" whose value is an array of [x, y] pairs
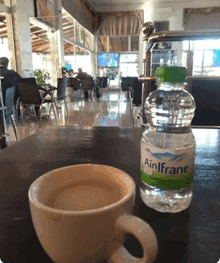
{"points": [[173, 11]]}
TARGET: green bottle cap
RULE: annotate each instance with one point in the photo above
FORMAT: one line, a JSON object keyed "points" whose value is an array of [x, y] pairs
{"points": [[170, 74]]}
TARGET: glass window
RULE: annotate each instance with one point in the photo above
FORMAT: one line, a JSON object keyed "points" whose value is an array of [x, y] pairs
{"points": [[82, 36], [88, 39], [197, 62], [114, 44], [134, 43], [117, 44], [77, 31], [68, 25], [124, 43], [129, 69], [129, 65], [126, 58]]}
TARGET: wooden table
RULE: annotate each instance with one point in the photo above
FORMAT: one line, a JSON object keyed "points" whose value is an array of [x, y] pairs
{"points": [[189, 236]]}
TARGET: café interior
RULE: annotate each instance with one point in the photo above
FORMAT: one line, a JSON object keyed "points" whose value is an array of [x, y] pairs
{"points": [[51, 39]]}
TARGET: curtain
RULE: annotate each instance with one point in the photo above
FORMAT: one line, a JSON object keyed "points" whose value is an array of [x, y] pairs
{"points": [[121, 23], [201, 18]]}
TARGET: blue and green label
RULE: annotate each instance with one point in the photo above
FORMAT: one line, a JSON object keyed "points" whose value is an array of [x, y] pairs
{"points": [[167, 168]]}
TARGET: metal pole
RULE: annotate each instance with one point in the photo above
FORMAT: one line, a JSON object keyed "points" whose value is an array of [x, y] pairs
{"points": [[189, 65]]}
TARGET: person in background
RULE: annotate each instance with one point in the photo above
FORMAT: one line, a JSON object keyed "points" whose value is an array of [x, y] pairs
{"points": [[11, 78], [83, 75]]}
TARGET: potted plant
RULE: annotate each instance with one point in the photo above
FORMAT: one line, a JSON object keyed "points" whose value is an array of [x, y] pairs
{"points": [[41, 76]]}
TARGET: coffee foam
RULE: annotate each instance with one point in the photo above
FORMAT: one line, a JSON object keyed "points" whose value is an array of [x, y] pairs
{"points": [[85, 195]]}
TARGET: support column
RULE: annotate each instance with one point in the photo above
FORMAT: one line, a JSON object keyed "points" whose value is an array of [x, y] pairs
{"points": [[95, 70], [57, 45], [55, 61], [19, 36]]}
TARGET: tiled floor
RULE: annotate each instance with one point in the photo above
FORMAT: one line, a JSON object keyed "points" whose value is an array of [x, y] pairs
{"points": [[112, 109]]}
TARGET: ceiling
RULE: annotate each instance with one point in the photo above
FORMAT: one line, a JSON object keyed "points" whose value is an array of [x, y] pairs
{"points": [[115, 2], [39, 38], [127, 5]]}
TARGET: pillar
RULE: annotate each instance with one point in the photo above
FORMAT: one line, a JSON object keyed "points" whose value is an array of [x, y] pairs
{"points": [[19, 36]]}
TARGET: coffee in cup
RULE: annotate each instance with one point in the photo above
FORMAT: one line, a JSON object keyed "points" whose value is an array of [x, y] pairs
{"points": [[81, 213]]}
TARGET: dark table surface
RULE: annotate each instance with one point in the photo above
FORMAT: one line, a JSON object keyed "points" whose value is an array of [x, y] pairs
{"points": [[189, 236]]}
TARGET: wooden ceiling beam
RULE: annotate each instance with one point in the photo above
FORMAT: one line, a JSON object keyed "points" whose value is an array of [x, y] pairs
{"points": [[40, 37], [3, 32], [39, 44]]}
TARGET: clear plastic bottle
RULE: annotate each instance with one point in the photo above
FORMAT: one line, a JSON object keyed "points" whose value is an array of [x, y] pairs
{"points": [[168, 144]]}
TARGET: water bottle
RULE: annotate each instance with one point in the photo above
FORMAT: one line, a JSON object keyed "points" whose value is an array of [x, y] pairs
{"points": [[168, 144]]}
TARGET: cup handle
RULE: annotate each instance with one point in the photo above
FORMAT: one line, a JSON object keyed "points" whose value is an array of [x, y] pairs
{"points": [[145, 235]]}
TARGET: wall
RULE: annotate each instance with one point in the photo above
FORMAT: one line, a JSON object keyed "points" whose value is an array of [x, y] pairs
{"points": [[173, 11]]}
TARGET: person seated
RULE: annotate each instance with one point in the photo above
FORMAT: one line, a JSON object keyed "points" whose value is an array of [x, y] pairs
{"points": [[83, 75], [11, 79]]}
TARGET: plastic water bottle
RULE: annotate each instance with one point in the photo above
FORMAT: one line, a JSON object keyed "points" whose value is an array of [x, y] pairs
{"points": [[168, 144]]}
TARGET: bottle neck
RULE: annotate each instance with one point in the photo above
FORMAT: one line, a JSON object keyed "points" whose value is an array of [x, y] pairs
{"points": [[168, 129], [169, 86]]}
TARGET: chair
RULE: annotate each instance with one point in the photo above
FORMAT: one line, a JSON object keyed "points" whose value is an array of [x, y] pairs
{"points": [[105, 82], [127, 85], [28, 80], [61, 91], [99, 81], [30, 96], [73, 83], [87, 85], [9, 111], [24, 80]]}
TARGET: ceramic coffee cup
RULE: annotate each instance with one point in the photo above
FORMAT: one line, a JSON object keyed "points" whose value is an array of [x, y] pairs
{"points": [[81, 213]]}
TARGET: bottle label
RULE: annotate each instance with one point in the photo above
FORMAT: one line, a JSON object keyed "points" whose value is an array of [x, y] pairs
{"points": [[167, 168]]}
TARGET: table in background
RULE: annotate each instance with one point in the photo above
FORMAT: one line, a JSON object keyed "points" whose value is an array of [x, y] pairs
{"points": [[191, 236]]}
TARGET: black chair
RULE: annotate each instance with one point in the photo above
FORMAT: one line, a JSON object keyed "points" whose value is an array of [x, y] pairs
{"points": [[28, 80], [99, 81], [126, 84], [61, 91], [30, 96], [105, 82], [24, 80], [9, 111], [87, 85], [73, 83]]}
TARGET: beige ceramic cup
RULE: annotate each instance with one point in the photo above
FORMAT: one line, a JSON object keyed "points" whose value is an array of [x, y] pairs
{"points": [[91, 235]]}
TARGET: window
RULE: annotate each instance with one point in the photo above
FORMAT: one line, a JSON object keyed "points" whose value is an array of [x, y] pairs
{"points": [[134, 43], [161, 25], [129, 65], [119, 44], [205, 56]]}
